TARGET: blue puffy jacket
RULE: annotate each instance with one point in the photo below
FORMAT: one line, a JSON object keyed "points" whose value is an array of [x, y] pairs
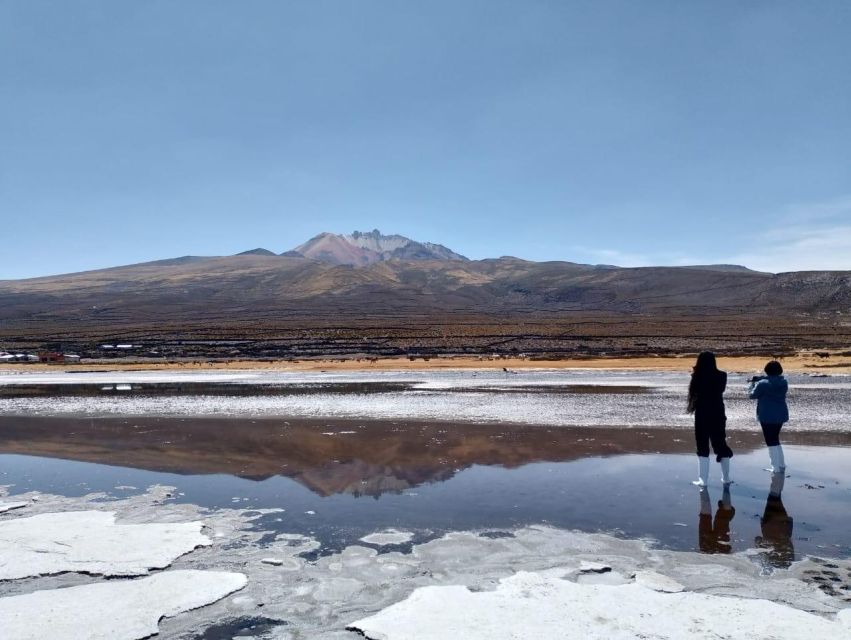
{"points": [[770, 396]]}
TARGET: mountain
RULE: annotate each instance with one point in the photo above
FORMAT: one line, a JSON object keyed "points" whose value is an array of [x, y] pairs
{"points": [[257, 252], [367, 293], [359, 249]]}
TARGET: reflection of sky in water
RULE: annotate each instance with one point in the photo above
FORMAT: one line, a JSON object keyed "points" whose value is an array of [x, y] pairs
{"points": [[634, 495], [816, 403]]}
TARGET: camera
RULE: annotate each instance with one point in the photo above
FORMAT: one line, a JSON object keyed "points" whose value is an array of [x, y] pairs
{"points": [[758, 378]]}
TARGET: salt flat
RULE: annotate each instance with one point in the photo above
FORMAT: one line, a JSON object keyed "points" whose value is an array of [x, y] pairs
{"points": [[543, 397], [528, 580], [485, 502]]}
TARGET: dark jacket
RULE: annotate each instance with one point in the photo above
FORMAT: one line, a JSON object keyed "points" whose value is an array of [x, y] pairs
{"points": [[709, 397], [770, 396]]}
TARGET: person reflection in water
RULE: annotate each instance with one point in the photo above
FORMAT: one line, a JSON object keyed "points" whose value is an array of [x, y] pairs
{"points": [[776, 526], [714, 536]]}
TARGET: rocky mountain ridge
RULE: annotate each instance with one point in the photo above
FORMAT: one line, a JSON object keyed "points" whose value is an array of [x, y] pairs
{"points": [[360, 249]]}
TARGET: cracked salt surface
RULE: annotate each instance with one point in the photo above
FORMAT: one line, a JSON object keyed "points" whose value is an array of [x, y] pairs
{"points": [[91, 542], [115, 610], [320, 598], [532, 606]]}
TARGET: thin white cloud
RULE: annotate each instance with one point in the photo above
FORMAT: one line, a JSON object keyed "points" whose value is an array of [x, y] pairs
{"points": [[630, 259], [803, 237], [801, 248]]}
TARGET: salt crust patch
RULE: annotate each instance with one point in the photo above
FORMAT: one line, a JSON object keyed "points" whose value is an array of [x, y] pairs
{"points": [[435, 397], [91, 542], [115, 610], [320, 598], [658, 582], [530, 606], [390, 536], [8, 506]]}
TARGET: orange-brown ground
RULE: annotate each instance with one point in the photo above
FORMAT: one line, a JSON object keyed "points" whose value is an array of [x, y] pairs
{"points": [[800, 363]]}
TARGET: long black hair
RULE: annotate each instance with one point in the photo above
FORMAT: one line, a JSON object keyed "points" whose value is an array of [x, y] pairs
{"points": [[706, 368]]}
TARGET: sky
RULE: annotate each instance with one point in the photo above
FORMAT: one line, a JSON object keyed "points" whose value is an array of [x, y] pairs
{"points": [[601, 131]]}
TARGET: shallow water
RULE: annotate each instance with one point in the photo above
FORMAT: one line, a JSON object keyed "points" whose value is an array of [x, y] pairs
{"points": [[339, 481], [348, 454], [538, 397]]}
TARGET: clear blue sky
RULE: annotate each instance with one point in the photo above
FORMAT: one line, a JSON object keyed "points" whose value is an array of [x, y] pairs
{"points": [[652, 132]]}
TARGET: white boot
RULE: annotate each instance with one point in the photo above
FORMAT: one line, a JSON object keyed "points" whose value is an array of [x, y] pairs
{"points": [[725, 471], [703, 477], [775, 454], [771, 457]]}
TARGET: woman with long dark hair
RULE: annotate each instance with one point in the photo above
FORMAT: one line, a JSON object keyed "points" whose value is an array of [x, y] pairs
{"points": [[706, 402]]}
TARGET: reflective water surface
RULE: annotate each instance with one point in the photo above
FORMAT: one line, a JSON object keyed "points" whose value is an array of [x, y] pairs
{"points": [[341, 479]]}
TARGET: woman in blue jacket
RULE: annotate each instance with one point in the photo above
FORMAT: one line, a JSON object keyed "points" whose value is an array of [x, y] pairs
{"points": [[769, 391]]}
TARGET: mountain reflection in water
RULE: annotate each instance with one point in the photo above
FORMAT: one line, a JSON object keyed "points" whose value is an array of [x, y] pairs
{"points": [[328, 457], [320, 477]]}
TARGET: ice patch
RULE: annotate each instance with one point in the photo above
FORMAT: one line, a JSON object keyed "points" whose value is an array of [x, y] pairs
{"points": [[91, 542], [391, 536], [530, 606], [115, 610]]}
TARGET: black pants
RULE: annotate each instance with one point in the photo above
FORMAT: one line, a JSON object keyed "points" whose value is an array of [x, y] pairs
{"points": [[713, 432], [771, 432]]}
